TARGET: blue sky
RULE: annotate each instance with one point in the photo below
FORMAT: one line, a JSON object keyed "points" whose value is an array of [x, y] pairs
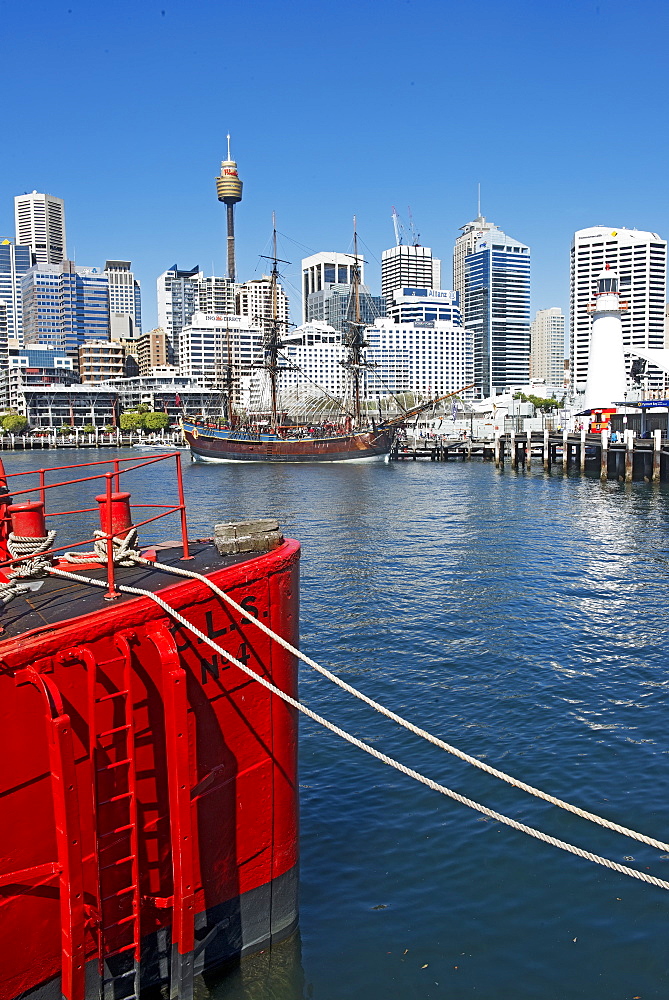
{"points": [[557, 110]]}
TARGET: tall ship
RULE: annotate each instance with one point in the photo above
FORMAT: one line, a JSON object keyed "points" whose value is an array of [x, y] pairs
{"points": [[351, 435], [148, 826]]}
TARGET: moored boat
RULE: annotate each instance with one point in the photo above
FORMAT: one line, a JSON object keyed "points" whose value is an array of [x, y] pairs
{"points": [[149, 798]]}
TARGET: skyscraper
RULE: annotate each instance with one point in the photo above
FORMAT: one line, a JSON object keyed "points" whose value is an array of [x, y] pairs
{"points": [[125, 301], [15, 261], [216, 295], [64, 306], [464, 245], [497, 310], [40, 224], [320, 273], [408, 267], [547, 350], [254, 300], [640, 260], [178, 299]]}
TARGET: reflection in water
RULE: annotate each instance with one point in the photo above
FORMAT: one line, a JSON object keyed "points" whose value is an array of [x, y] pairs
{"points": [[275, 974], [522, 617]]}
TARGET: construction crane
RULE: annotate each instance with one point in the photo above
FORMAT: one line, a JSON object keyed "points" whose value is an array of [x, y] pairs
{"points": [[399, 228], [415, 237]]}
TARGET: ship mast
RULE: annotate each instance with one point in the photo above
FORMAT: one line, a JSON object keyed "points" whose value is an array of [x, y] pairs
{"points": [[272, 338], [355, 336]]}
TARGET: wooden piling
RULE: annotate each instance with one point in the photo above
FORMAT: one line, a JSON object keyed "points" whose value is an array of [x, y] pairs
{"points": [[604, 469], [565, 450], [512, 449], [547, 451], [499, 458], [582, 450], [657, 452], [629, 456]]}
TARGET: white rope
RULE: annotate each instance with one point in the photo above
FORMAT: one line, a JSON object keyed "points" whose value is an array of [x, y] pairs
{"points": [[435, 786], [125, 550], [515, 782], [27, 569]]}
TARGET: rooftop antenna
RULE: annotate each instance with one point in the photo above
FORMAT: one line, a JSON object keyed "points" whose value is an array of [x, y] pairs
{"points": [[479, 202]]}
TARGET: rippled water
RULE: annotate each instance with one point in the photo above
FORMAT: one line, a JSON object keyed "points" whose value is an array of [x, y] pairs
{"points": [[522, 617]]}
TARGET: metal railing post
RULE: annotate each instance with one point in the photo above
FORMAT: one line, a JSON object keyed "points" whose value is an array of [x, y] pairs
{"points": [[182, 508]]}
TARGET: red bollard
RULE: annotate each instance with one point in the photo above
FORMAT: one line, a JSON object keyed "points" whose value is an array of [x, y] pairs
{"points": [[28, 519], [121, 516]]}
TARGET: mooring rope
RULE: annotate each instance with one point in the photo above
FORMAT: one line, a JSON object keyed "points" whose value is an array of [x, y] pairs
{"points": [[384, 758], [495, 772]]}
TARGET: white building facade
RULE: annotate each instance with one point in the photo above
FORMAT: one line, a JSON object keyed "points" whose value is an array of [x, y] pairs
{"points": [[178, 300], [40, 224], [408, 267], [429, 358], [411, 305], [321, 271], [547, 347], [255, 301], [125, 301], [640, 260], [211, 343]]}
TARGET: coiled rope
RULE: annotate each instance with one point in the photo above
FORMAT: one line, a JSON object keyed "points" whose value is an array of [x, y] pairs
{"points": [[372, 751]]}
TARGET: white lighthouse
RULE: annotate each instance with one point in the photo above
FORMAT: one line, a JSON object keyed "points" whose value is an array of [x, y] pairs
{"points": [[607, 379]]}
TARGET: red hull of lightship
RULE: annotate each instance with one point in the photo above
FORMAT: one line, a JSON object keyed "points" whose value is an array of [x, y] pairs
{"points": [[149, 798]]}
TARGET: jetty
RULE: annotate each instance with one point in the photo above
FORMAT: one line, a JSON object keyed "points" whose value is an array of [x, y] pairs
{"points": [[627, 458]]}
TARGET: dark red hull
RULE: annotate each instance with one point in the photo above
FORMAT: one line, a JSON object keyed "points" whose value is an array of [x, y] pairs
{"points": [[209, 444], [117, 706]]}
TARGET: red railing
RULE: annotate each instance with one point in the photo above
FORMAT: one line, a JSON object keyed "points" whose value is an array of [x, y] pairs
{"points": [[112, 483]]}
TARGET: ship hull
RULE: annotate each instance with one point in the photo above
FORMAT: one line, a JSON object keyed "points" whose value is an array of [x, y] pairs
{"points": [[209, 444], [136, 765]]}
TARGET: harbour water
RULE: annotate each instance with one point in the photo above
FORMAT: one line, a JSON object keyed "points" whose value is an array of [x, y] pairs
{"points": [[522, 617]]}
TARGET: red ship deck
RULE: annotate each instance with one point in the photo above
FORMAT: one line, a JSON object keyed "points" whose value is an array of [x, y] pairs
{"points": [[148, 786]]}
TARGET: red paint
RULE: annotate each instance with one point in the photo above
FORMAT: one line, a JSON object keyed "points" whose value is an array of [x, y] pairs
{"points": [[142, 780], [28, 519], [115, 516]]}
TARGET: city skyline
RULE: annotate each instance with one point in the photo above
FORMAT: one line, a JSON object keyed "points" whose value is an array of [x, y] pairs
{"points": [[426, 136]]}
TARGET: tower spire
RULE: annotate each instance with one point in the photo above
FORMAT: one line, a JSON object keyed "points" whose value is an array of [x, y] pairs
{"points": [[229, 191]]}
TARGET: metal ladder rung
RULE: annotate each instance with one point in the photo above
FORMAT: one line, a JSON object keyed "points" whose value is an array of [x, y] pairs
{"points": [[116, 798], [110, 732], [117, 923], [114, 864], [119, 951], [118, 829], [108, 697], [121, 892], [122, 975], [109, 767]]}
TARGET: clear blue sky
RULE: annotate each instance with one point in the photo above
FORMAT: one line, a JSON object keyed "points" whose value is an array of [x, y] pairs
{"points": [[557, 109]]}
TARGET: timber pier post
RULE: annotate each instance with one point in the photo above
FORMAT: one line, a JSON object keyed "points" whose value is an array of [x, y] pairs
{"points": [[633, 458]]}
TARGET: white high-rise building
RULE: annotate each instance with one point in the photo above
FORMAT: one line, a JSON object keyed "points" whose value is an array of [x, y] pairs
{"points": [[216, 295], [408, 267], [254, 300], [40, 224], [427, 358], [125, 301], [210, 344], [640, 260], [465, 245], [321, 272], [178, 300], [547, 347]]}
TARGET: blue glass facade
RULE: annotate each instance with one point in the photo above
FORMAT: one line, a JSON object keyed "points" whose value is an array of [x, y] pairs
{"points": [[15, 261], [497, 312], [65, 306]]}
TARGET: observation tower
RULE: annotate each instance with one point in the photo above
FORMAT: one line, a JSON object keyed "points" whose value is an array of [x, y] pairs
{"points": [[607, 378], [229, 191]]}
